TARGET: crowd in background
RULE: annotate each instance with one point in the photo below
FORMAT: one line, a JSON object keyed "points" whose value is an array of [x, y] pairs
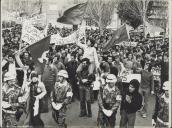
{"points": [[118, 59]]}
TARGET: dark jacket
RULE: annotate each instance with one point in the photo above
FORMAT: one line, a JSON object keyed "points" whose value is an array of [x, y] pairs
{"points": [[136, 102], [71, 68]]}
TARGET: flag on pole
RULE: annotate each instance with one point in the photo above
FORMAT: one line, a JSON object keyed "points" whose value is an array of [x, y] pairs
{"points": [[37, 51], [73, 15], [118, 36], [38, 48]]}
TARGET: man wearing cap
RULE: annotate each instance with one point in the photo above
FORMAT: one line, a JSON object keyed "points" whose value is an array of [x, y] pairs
{"points": [[109, 101], [11, 108], [60, 97], [85, 81], [160, 118]]}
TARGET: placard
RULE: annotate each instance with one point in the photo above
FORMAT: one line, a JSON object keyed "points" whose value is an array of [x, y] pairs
{"points": [[31, 34]]}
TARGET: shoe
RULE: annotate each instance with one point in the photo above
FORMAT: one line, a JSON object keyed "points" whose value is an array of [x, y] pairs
{"points": [[144, 115]]}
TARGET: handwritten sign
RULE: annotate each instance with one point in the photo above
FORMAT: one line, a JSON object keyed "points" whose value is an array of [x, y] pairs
{"points": [[30, 34], [58, 40]]}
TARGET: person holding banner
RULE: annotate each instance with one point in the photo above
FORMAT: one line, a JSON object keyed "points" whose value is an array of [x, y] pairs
{"points": [[90, 53]]}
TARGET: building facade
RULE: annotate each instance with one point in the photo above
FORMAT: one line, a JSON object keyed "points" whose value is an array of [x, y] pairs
{"points": [[158, 13]]}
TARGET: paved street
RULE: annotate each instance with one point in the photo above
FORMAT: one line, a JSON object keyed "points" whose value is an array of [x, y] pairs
{"points": [[73, 120]]}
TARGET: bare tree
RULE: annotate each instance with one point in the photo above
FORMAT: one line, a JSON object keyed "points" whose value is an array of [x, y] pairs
{"points": [[101, 11]]}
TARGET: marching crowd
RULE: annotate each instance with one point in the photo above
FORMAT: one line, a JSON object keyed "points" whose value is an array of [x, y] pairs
{"points": [[72, 72]]}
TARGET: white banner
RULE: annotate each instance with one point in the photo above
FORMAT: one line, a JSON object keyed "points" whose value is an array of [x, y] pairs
{"points": [[127, 77], [38, 20], [30, 34], [58, 40], [127, 44]]}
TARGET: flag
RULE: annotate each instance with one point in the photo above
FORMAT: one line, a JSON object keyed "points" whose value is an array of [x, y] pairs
{"points": [[118, 36], [73, 15], [37, 50]]}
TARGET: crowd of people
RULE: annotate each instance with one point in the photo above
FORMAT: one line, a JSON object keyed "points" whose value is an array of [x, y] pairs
{"points": [[71, 72]]}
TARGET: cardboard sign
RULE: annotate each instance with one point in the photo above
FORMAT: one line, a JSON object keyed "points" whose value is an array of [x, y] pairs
{"points": [[30, 34]]}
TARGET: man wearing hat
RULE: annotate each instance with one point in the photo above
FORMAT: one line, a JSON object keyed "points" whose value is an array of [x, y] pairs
{"points": [[60, 97], [11, 108], [109, 101], [160, 118]]}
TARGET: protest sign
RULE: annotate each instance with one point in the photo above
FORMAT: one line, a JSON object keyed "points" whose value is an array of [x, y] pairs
{"points": [[127, 77], [127, 43], [38, 20], [30, 34], [156, 73], [58, 40]]}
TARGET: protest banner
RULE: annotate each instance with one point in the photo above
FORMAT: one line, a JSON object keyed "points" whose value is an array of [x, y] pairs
{"points": [[128, 44], [128, 78], [38, 20], [30, 34], [58, 40]]}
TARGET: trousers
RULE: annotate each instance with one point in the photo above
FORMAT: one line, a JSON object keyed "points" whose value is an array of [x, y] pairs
{"points": [[145, 94], [127, 120], [59, 117], [85, 100]]}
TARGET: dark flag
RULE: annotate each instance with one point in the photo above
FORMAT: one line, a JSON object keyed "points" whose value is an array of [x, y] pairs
{"points": [[73, 15], [118, 36], [37, 50]]}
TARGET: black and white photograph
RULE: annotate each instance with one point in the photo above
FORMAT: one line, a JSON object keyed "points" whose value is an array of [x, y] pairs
{"points": [[85, 64]]}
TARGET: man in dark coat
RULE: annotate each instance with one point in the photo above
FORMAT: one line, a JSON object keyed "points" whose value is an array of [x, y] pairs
{"points": [[71, 68], [131, 103]]}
